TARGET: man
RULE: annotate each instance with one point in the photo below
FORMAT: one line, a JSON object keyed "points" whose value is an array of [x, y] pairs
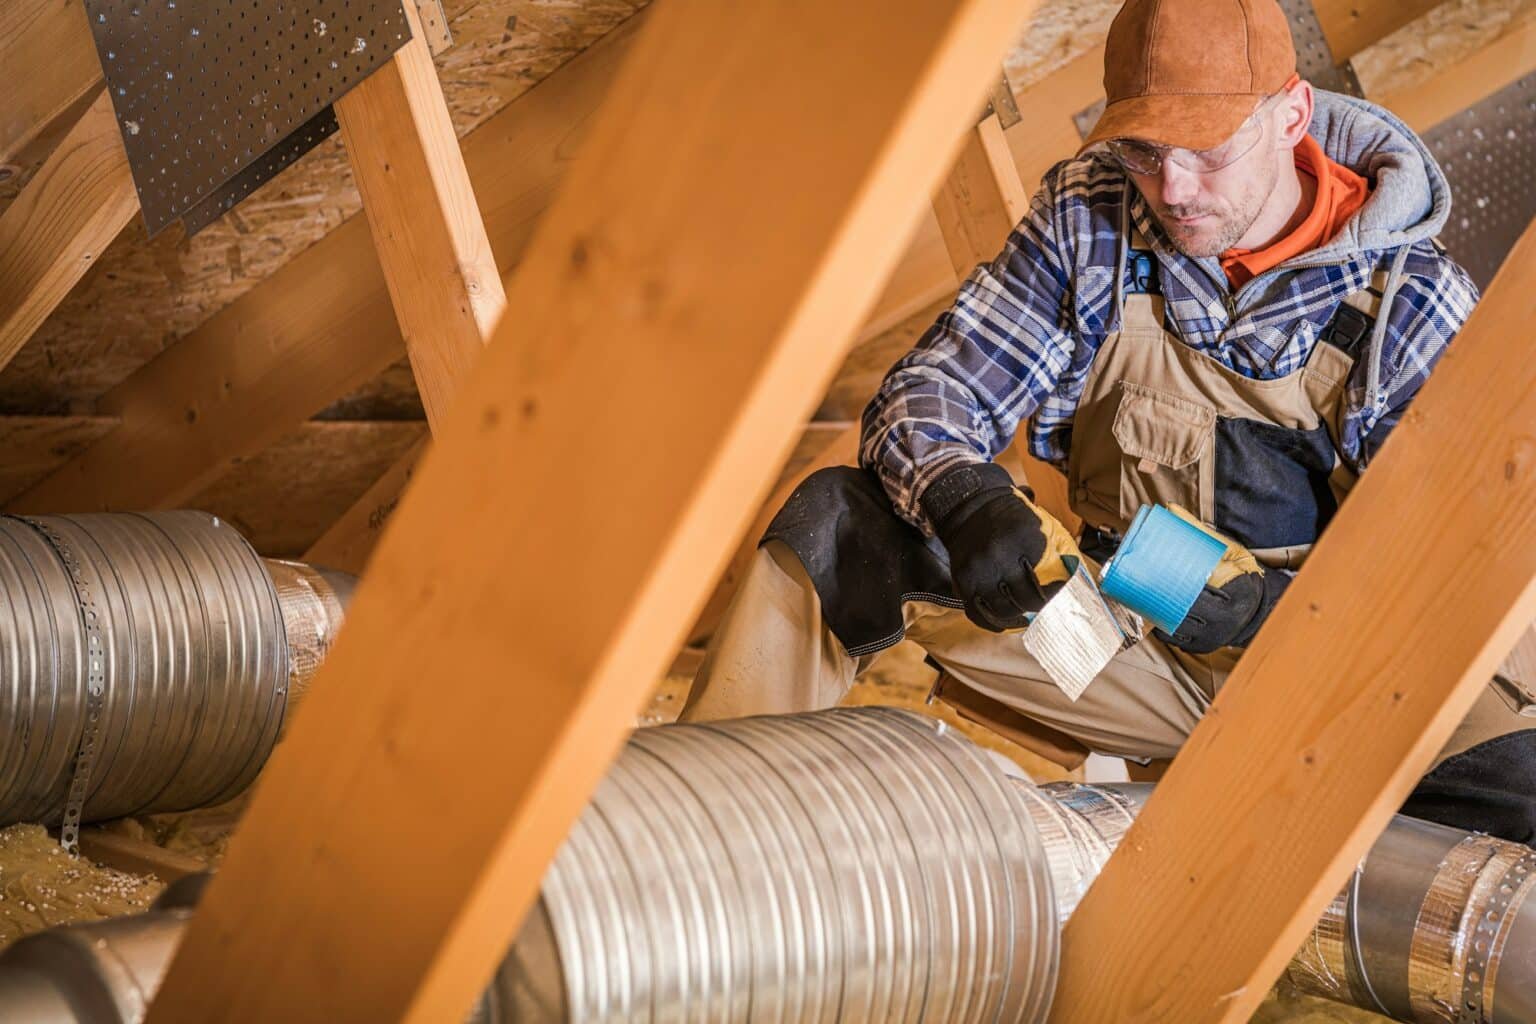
{"points": [[1225, 302]]}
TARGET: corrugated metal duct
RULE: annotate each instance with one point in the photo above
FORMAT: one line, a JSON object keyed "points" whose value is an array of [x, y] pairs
{"points": [[144, 662], [868, 865]]}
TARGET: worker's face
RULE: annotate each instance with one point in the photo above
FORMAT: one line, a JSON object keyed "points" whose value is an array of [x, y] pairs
{"points": [[1207, 212]]}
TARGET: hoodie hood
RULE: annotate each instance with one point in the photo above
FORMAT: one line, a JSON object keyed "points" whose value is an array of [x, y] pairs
{"points": [[1410, 198]]}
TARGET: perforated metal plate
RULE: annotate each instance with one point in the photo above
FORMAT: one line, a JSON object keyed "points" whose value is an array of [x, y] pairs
{"points": [[204, 89], [267, 166], [1487, 152], [1314, 57]]}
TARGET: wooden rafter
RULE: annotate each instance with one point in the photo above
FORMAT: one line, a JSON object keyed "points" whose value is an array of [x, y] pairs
{"points": [[426, 224], [1351, 26], [348, 542], [1502, 62], [52, 234], [635, 277], [319, 327], [1381, 644], [49, 68]]}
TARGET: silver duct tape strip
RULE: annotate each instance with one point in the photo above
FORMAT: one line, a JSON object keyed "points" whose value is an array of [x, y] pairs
{"points": [[858, 864], [1079, 827], [1445, 968], [1076, 635], [313, 613], [1320, 967], [1439, 958]]}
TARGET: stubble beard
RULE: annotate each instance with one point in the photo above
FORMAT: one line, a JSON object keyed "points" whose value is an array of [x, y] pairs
{"points": [[1218, 232]]}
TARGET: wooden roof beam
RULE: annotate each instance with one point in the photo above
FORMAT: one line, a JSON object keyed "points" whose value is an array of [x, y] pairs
{"points": [[1351, 26], [319, 327], [348, 543], [636, 278], [77, 203], [427, 230], [51, 71], [1357, 679], [1504, 61]]}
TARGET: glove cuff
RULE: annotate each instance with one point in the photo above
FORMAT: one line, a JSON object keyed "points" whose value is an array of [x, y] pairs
{"points": [[954, 487]]}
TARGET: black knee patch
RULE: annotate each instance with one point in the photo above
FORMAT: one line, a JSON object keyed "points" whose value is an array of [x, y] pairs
{"points": [[1490, 788], [863, 558]]}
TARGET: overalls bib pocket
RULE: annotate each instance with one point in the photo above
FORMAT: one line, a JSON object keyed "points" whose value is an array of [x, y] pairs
{"points": [[1167, 451]]}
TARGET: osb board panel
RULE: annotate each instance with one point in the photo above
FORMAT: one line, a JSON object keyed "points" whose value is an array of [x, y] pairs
{"points": [[141, 296], [813, 441], [389, 396], [284, 498], [861, 373], [34, 446], [1446, 35]]}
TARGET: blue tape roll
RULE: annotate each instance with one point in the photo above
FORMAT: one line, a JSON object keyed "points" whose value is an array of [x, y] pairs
{"points": [[1161, 566]]}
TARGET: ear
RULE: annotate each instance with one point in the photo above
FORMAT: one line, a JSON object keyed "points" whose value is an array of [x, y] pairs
{"points": [[1293, 115]]}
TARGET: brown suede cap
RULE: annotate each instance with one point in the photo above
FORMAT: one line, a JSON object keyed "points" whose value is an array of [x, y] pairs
{"points": [[1189, 72]]}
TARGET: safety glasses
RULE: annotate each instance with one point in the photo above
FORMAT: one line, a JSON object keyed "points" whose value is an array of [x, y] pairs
{"points": [[1140, 157]]}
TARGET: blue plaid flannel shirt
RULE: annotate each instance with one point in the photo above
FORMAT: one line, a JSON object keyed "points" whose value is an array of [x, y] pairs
{"points": [[1017, 344]]}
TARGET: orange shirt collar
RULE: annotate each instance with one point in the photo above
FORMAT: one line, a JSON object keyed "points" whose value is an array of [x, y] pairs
{"points": [[1340, 194]]}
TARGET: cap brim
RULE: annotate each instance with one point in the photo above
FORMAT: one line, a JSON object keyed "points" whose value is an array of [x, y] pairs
{"points": [[1183, 120]]}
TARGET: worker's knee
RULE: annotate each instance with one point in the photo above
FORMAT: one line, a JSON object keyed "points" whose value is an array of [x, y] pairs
{"points": [[1490, 788]]}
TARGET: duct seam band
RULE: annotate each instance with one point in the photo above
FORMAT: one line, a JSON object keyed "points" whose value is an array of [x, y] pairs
{"points": [[95, 687]]}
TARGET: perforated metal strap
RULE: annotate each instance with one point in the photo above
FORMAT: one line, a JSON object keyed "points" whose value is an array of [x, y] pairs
{"points": [[95, 685], [1485, 946]]}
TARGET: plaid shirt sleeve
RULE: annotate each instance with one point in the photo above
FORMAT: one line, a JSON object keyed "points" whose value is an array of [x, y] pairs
{"points": [[1429, 307], [983, 367]]}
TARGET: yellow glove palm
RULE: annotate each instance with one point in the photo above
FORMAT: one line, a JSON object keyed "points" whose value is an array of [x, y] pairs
{"points": [[1235, 561], [1053, 566]]}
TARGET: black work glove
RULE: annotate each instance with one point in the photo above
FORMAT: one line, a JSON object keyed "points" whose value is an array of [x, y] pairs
{"points": [[1233, 605], [1007, 556]]}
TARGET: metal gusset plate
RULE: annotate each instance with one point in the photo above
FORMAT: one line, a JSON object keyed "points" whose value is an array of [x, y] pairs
{"points": [[434, 25], [271, 163], [204, 89], [1314, 57], [1487, 151]]}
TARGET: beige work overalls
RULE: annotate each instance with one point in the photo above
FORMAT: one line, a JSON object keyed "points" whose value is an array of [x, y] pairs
{"points": [[1144, 432]]}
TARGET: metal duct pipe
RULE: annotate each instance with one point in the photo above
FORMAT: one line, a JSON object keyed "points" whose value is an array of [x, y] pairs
{"points": [[143, 662], [1436, 925], [831, 865], [861, 864], [857, 864]]}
